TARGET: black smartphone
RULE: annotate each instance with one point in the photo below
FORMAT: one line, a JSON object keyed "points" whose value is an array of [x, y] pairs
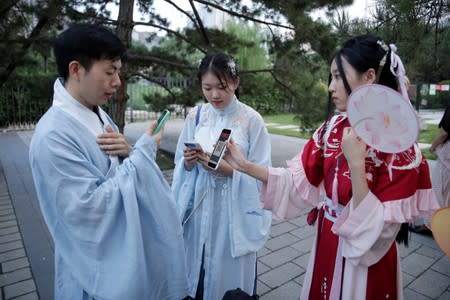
{"points": [[219, 149], [193, 145], [162, 119]]}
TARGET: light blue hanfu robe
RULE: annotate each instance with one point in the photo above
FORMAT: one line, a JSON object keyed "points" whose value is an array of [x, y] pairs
{"points": [[115, 226], [228, 224]]}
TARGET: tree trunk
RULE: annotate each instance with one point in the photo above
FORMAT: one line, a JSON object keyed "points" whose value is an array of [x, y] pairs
{"points": [[118, 103]]}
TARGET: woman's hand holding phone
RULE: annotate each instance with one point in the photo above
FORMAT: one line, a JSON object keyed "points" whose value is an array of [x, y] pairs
{"points": [[192, 152]]}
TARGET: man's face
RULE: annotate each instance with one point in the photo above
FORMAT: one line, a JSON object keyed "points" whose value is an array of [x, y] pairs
{"points": [[98, 85]]}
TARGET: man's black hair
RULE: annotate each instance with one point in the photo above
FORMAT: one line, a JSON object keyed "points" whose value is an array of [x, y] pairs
{"points": [[86, 43]]}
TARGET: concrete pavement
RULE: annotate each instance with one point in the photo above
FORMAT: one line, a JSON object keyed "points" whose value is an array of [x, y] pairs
{"points": [[26, 249]]}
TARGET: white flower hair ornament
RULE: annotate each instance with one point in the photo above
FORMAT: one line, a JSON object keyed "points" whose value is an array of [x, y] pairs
{"points": [[232, 65]]}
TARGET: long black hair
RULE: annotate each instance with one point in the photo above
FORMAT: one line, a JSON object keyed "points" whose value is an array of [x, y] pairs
{"points": [[362, 53]]}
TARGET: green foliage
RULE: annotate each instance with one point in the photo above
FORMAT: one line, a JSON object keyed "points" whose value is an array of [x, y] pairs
{"points": [[427, 136], [260, 92], [419, 29], [298, 57], [157, 100], [138, 93], [303, 72], [251, 54], [25, 98]]}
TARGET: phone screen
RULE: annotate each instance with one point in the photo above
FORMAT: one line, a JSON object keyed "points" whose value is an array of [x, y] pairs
{"points": [[219, 149]]}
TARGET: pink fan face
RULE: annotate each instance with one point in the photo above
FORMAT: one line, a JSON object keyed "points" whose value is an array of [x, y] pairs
{"points": [[382, 118]]}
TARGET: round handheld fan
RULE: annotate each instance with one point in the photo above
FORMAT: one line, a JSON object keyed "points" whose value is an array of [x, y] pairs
{"points": [[382, 118]]}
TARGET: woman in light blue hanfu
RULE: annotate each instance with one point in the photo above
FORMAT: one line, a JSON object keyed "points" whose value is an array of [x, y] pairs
{"points": [[224, 225]]}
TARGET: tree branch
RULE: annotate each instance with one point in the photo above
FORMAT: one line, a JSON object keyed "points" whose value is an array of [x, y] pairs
{"points": [[185, 13], [230, 12], [148, 78], [6, 5], [272, 72], [294, 94], [160, 61], [256, 71], [26, 45], [177, 34], [114, 22], [200, 23]]}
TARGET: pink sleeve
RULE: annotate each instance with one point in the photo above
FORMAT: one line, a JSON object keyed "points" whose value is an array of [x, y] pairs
{"points": [[420, 205], [288, 192], [364, 234]]}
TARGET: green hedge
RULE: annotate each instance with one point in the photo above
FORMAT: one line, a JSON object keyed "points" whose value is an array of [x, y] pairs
{"points": [[25, 98]]}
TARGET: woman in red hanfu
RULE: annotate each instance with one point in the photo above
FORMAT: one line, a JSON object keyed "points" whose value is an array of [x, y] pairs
{"points": [[361, 196]]}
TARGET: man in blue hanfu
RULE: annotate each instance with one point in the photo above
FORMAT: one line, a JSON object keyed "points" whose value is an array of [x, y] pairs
{"points": [[107, 205]]}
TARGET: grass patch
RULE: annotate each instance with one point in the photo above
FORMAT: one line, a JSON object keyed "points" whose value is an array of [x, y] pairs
{"points": [[428, 154], [283, 119], [427, 136], [288, 132]]}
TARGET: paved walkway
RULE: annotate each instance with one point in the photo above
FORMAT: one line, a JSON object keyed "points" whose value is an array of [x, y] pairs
{"points": [[26, 249]]}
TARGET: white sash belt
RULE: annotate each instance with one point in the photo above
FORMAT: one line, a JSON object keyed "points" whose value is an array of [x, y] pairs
{"points": [[331, 213]]}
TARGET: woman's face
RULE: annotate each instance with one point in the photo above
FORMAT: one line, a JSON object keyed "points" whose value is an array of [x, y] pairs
{"points": [[339, 95], [218, 94]]}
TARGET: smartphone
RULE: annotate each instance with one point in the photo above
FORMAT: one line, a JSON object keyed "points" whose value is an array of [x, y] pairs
{"points": [[162, 119], [193, 145], [219, 149]]}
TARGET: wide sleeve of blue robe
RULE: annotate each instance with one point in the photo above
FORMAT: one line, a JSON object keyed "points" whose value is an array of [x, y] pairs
{"points": [[116, 237]]}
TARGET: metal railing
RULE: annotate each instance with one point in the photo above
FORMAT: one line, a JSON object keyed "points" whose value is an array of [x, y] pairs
{"points": [[20, 111]]}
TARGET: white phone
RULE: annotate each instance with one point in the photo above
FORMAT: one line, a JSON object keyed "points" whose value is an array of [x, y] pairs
{"points": [[219, 149]]}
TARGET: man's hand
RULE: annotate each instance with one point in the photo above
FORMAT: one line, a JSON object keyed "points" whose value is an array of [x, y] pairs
{"points": [[114, 143], [157, 137]]}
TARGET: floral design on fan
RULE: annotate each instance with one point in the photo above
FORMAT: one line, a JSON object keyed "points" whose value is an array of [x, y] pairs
{"points": [[380, 118]]}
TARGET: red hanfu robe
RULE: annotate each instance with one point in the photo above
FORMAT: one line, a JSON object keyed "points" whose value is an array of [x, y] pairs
{"points": [[354, 255]]}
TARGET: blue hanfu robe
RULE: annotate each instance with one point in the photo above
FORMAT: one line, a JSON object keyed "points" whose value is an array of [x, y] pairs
{"points": [[228, 224], [115, 226]]}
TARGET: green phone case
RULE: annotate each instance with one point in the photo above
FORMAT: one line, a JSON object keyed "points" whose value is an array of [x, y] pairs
{"points": [[162, 119]]}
